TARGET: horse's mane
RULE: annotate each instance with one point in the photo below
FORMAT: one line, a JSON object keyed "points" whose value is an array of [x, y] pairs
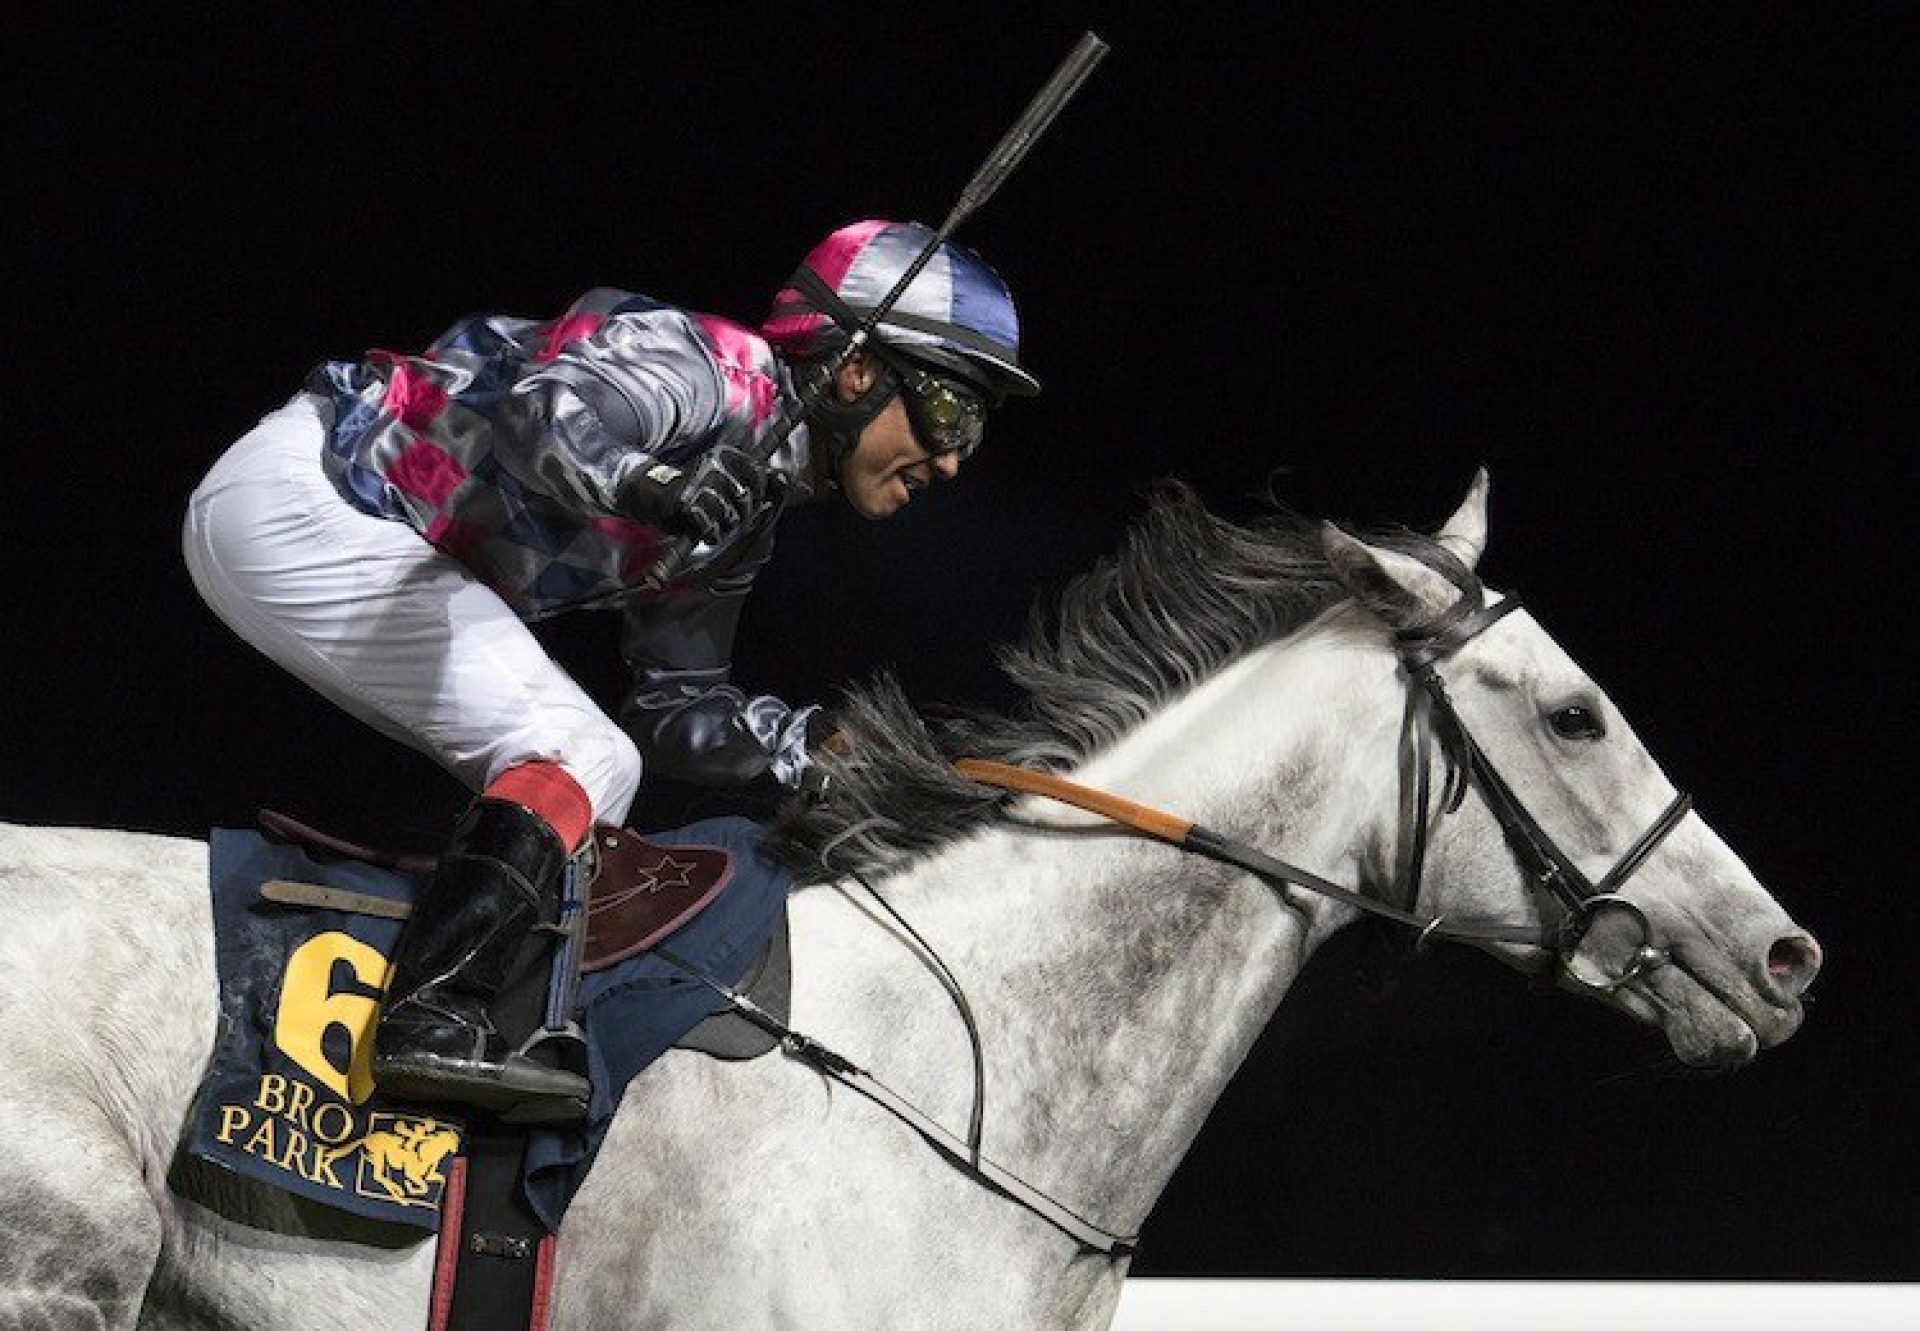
{"points": [[1186, 594]]}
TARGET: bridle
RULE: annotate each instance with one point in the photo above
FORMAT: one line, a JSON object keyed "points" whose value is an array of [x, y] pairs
{"points": [[1539, 855], [1435, 724]]}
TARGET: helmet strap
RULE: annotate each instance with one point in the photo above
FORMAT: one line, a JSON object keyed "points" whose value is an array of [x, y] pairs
{"points": [[836, 426]]}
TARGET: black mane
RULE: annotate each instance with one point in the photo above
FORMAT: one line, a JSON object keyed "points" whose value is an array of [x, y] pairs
{"points": [[1186, 594]]}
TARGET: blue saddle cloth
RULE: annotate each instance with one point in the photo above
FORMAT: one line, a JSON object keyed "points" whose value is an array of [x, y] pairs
{"points": [[288, 1098]]}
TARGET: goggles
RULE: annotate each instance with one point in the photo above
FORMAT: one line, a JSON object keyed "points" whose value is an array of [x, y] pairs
{"points": [[946, 417]]}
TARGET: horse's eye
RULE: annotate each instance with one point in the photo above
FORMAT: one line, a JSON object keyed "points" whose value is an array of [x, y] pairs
{"points": [[1576, 722]]}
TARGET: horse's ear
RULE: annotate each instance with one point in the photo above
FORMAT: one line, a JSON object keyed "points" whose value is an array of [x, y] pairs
{"points": [[1396, 587], [1465, 533]]}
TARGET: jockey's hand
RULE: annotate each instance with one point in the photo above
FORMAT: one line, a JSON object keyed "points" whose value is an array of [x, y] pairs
{"points": [[705, 502]]}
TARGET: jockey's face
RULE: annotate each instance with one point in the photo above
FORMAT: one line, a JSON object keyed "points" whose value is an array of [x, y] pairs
{"points": [[888, 464]]}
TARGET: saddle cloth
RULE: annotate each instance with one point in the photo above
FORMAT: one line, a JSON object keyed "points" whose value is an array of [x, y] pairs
{"points": [[288, 1098]]}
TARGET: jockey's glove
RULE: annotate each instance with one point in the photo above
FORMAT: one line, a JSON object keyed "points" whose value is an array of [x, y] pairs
{"points": [[705, 502]]}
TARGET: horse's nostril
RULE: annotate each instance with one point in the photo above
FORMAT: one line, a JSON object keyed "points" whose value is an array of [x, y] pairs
{"points": [[1793, 962]]}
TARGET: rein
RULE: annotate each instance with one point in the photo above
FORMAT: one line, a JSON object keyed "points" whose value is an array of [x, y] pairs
{"points": [[1434, 723], [963, 1154], [1432, 715], [1190, 836], [1561, 937]]}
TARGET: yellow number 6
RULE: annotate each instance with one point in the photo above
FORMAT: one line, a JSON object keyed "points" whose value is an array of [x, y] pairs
{"points": [[309, 1005]]}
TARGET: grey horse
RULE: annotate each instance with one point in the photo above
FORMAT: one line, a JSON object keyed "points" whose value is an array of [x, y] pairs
{"points": [[1242, 675]]}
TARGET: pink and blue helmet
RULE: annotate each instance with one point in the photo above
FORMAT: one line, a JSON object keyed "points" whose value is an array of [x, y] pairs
{"points": [[957, 317]]}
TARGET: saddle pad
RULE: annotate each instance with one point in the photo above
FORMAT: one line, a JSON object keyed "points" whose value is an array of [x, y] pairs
{"points": [[288, 1098]]}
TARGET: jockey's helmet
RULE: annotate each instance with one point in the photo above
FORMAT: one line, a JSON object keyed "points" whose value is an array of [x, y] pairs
{"points": [[955, 320]]}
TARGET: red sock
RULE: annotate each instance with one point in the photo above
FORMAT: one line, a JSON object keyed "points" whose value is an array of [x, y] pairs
{"points": [[546, 789]]}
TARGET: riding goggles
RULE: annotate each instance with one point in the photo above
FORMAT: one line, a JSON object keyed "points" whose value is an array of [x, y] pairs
{"points": [[946, 417]]}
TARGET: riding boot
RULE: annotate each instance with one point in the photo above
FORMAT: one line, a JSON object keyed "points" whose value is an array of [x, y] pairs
{"points": [[466, 939]]}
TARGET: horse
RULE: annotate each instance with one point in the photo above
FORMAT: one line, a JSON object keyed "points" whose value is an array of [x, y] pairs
{"points": [[1052, 1000]]}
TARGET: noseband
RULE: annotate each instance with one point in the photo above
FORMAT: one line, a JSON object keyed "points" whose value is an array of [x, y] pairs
{"points": [[1435, 724], [1539, 855]]}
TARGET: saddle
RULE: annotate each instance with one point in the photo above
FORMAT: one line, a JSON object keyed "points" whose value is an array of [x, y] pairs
{"points": [[638, 892]]}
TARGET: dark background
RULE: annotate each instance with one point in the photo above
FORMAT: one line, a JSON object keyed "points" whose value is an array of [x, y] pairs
{"points": [[1648, 263]]}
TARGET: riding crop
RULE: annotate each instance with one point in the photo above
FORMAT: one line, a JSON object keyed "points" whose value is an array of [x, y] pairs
{"points": [[999, 164]]}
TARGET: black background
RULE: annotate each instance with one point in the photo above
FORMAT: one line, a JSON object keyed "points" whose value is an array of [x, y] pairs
{"points": [[1648, 263]]}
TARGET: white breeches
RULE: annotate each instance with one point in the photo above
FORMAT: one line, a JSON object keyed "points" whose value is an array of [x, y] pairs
{"points": [[389, 628]]}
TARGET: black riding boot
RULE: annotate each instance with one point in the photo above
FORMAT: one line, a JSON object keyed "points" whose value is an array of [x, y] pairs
{"points": [[464, 942]]}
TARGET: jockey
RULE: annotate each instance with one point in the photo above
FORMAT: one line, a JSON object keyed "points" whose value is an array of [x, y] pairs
{"points": [[388, 534]]}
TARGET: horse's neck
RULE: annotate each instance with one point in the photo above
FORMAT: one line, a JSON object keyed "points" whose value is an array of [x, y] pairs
{"points": [[1118, 982]]}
